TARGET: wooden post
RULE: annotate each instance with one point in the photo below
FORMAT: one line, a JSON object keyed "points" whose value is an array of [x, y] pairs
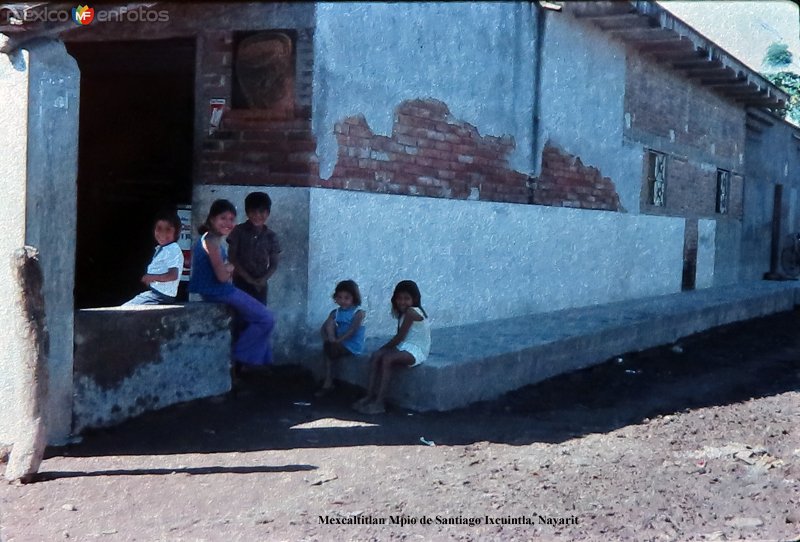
{"points": [[28, 449], [774, 272]]}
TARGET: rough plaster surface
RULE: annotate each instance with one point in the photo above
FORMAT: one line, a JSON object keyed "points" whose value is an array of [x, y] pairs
{"points": [[371, 56], [476, 261], [14, 76], [727, 251], [582, 109], [51, 217], [772, 159], [706, 243], [117, 376]]}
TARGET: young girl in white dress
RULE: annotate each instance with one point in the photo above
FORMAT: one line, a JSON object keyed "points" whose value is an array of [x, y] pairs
{"points": [[408, 348]]}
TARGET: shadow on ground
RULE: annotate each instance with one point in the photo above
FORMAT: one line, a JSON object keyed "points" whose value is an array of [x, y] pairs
{"points": [[721, 366]]}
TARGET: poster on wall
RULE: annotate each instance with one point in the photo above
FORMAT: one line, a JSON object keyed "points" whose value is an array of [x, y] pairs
{"points": [[216, 107], [185, 239]]}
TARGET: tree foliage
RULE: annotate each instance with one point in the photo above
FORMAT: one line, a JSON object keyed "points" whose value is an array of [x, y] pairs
{"points": [[789, 82], [778, 56]]}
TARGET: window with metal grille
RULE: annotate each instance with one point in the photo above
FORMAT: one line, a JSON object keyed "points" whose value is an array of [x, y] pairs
{"points": [[723, 190], [656, 177]]}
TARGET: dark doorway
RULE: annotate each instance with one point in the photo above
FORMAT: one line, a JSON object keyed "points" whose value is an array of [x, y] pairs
{"points": [[134, 157]]}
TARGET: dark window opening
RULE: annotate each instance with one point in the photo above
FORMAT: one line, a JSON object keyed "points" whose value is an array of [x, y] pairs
{"points": [[723, 190], [134, 157], [656, 178]]}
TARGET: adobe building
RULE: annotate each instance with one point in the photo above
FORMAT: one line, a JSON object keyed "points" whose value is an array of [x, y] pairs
{"points": [[532, 157]]}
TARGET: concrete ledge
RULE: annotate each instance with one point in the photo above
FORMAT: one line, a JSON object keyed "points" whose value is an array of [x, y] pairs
{"points": [[479, 362], [129, 360]]}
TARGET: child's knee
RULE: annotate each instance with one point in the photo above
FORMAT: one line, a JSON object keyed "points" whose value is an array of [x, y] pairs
{"points": [[388, 360]]}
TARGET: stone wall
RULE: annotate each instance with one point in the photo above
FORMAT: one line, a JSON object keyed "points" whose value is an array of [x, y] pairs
{"points": [[129, 360]]}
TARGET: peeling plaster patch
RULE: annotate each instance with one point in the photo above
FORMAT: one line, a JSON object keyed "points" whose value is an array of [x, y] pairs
{"points": [[130, 360], [149, 387], [428, 149], [627, 120], [566, 182], [370, 54]]}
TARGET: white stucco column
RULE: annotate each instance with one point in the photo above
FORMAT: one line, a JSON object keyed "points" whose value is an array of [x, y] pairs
{"points": [[14, 76], [39, 87]]}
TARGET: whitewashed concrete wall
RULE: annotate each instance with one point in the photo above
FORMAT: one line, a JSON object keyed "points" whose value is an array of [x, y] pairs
{"points": [[772, 159], [370, 56], [476, 261], [473, 261], [13, 165], [582, 102], [706, 252]]}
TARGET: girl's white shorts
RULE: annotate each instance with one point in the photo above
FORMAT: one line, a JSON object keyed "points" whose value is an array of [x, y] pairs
{"points": [[414, 350]]}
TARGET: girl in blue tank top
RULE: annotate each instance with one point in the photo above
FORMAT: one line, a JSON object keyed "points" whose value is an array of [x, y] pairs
{"points": [[343, 331], [211, 278]]}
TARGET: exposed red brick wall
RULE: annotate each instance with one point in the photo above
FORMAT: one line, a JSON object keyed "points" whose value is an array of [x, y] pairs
{"points": [[667, 107], [257, 147], [254, 148], [699, 131], [428, 154], [565, 182], [691, 191]]}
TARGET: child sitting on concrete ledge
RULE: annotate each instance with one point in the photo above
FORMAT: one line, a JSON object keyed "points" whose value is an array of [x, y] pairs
{"points": [[408, 348]]}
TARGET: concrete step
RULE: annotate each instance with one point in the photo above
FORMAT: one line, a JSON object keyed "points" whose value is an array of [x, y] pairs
{"points": [[483, 361]]}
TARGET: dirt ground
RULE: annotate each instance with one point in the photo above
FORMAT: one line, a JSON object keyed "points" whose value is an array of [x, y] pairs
{"points": [[695, 442]]}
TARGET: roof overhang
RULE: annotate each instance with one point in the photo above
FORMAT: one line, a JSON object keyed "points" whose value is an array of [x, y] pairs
{"points": [[23, 21], [656, 32]]}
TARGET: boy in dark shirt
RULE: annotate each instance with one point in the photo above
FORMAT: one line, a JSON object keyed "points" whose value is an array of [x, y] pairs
{"points": [[254, 248]]}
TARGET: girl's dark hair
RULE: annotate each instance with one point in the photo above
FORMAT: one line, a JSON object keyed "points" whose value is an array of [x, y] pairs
{"points": [[408, 287], [170, 216], [351, 288], [217, 208]]}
